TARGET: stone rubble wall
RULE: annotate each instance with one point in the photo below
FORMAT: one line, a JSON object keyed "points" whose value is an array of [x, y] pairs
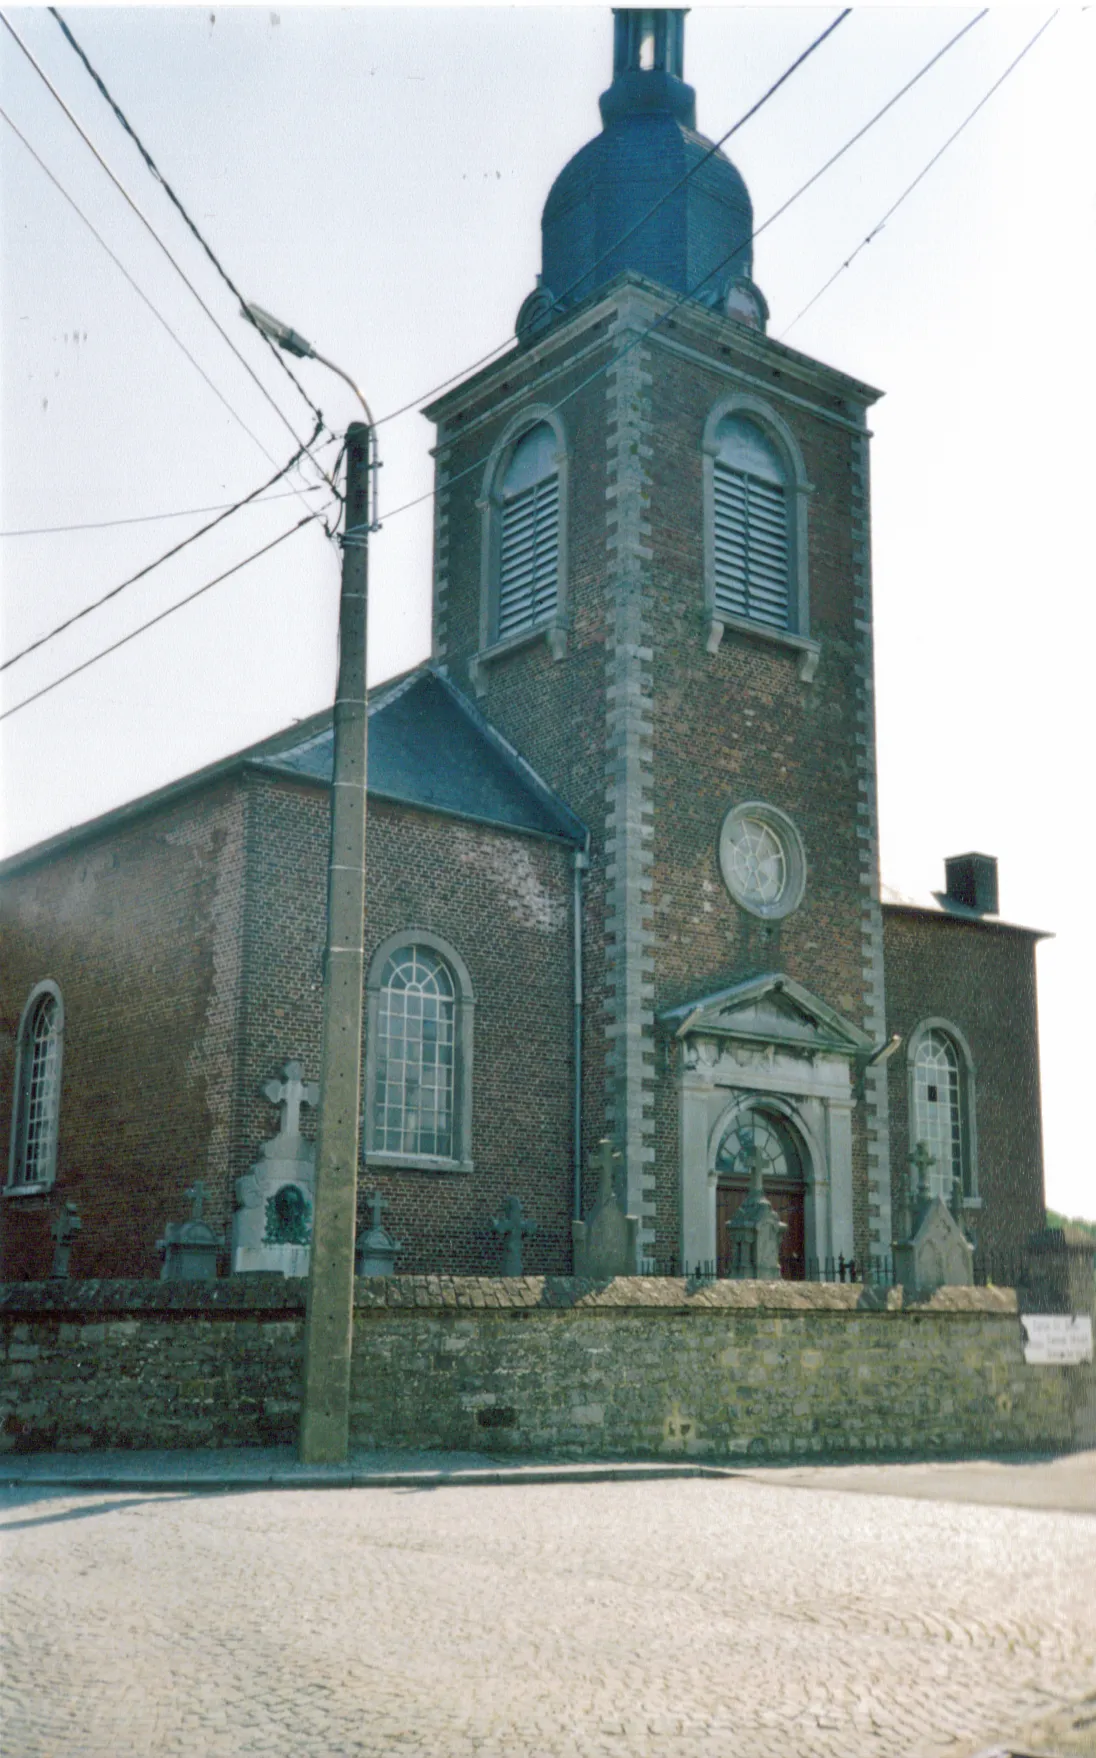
{"points": [[540, 1365]]}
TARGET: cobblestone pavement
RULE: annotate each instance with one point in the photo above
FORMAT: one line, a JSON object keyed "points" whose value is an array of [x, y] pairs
{"points": [[686, 1619]]}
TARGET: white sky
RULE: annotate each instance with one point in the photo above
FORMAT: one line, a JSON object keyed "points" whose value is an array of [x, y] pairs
{"points": [[375, 177]]}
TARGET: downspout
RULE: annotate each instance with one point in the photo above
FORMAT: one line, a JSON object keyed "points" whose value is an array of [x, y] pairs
{"points": [[581, 862]]}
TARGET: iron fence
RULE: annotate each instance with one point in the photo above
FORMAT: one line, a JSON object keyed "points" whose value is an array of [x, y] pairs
{"points": [[877, 1272]]}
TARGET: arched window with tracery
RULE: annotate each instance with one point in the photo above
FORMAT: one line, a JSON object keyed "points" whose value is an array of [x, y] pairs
{"points": [[751, 537], [941, 1082], [37, 1105], [418, 1054], [529, 524]]}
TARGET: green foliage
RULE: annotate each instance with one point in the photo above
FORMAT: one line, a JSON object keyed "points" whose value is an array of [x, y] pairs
{"points": [[1054, 1219]]}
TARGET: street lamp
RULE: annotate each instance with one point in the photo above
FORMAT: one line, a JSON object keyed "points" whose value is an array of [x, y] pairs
{"points": [[329, 1317]]}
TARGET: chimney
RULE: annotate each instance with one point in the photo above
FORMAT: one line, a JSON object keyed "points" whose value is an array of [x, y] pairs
{"points": [[972, 880]]}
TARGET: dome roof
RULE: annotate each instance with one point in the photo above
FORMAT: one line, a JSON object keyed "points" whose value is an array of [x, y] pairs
{"points": [[594, 224]]}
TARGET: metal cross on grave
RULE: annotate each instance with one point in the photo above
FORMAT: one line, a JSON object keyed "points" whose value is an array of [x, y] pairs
{"points": [[753, 1160], [377, 1207], [195, 1196], [514, 1226], [289, 1094], [605, 1163], [922, 1160]]}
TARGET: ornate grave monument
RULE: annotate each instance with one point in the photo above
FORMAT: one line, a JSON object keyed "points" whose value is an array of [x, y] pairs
{"points": [[376, 1250], [190, 1249], [272, 1227], [931, 1250], [755, 1229], [606, 1243], [514, 1226]]}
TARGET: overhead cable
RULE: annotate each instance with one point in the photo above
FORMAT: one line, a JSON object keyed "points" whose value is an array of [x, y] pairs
{"points": [[683, 298], [142, 573], [153, 518], [150, 229], [158, 315], [759, 104], [170, 611], [910, 187], [174, 199]]}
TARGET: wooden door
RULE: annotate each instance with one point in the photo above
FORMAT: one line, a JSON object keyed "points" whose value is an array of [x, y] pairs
{"points": [[786, 1196]]}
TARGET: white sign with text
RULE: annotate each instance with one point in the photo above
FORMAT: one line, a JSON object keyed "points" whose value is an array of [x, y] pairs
{"points": [[1056, 1339]]}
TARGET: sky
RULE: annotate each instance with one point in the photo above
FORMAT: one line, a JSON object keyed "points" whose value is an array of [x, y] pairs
{"points": [[374, 176]]}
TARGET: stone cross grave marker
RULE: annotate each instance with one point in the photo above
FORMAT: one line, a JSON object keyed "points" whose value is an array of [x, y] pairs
{"points": [[375, 1249], [513, 1226], [377, 1206], [195, 1196], [64, 1230], [289, 1094], [607, 1244], [606, 1160], [922, 1160]]}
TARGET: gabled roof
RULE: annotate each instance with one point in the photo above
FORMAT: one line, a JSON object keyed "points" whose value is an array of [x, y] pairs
{"points": [[770, 1008], [430, 747]]}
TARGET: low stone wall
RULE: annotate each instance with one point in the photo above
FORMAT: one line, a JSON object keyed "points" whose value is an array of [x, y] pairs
{"points": [[538, 1365]]}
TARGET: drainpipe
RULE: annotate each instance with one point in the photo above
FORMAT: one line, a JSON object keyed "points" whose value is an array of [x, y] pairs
{"points": [[582, 861]]}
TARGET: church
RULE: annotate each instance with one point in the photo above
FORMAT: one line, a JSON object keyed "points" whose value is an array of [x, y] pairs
{"points": [[622, 869]]}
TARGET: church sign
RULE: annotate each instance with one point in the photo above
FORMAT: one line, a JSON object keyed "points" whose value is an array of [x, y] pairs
{"points": [[1053, 1339]]}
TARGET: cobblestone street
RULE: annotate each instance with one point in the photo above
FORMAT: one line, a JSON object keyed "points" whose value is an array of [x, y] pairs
{"points": [[739, 1618]]}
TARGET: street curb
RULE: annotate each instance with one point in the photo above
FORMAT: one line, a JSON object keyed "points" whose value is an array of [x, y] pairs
{"points": [[336, 1479]]}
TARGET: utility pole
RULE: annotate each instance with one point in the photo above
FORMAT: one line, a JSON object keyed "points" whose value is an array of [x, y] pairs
{"points": [[329, 1320]]}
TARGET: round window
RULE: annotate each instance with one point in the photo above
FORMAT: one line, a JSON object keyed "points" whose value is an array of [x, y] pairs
{"points": [[761, 858]]}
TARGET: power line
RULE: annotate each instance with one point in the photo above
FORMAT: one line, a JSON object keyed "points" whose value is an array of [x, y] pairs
{"points": [[180, 271], [684, 298], [160, 319], [170, 611], [160, 560], [174, 199], [501, 347], [910, 187], [152, 518]]}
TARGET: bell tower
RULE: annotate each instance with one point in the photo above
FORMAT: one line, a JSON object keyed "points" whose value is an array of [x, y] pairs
{"points": [[652, 567]]}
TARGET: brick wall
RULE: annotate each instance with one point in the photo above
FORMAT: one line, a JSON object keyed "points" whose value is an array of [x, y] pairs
{"points": [[982, 980], [540, 1365], [140, 928]]}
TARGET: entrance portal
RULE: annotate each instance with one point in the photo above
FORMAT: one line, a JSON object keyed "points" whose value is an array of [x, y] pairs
{"points": [[782, 1172]]}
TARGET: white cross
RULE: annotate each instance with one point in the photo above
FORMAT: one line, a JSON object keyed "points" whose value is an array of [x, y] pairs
{"points": [[289, 1094]]}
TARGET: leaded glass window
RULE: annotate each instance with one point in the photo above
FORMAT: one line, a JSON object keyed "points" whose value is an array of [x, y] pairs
{"points": [[415, 1056], [938, 1110], [528, 578], [762, 1133], [39, 1094], [751, 544]]}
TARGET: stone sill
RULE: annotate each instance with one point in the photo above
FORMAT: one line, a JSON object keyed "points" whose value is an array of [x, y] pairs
{"points": [[381, 1162], [41, 1188], [277, 1295], [808, 650], [554, 632]]}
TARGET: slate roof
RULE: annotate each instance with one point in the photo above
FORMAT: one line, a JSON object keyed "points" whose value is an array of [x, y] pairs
{"points": [[430, 747], [939, 904]]}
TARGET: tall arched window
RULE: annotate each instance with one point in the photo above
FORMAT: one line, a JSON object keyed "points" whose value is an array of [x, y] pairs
{"points": [[528, 553], [37, 1089], [751, 536], [418, 1054], [941, 1107]]}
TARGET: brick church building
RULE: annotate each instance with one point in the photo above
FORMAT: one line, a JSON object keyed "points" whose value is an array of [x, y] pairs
{"points": [[623, 874]]}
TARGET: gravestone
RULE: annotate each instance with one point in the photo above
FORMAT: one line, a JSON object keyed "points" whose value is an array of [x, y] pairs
{"points": [[272, 1227], [375, 1253], [514, 1226], [64, 1231], [606, 1244], [755, 1229], [935, 1252], [190, 1249]]}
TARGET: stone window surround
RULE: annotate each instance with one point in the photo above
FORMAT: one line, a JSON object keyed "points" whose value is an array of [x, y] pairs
{"points": [[795, 859], [463, 1034], [968, 1116], [780, 435], [553, 629], [38, 1185]]}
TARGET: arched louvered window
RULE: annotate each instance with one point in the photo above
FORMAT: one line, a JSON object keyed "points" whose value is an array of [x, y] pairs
{"points": [[37, 1089], [942, 1098], [751, 537], [528, 552], [418, 1054]]}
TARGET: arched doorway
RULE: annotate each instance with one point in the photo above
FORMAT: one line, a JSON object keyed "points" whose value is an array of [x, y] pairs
{"points": [[784, 1183]]}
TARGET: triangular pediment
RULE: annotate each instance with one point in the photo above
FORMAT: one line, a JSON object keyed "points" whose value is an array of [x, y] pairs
{"points": [[770, 1010]]}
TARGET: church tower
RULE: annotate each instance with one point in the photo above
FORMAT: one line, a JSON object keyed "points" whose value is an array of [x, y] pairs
{"points": [[653, 569]]}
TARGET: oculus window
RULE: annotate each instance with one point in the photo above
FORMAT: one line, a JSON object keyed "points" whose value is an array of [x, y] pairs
{"points": [[761, 859], [751, 536]]}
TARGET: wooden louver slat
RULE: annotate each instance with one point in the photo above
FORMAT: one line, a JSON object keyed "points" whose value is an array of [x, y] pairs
{"points": [[529, 556], [751, 548]]}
